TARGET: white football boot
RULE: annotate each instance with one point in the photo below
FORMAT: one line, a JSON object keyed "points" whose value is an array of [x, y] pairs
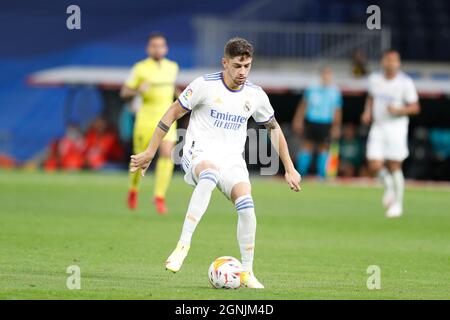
{"points": [[175, 260], [394, 211], [388, 198], [248, 280]]}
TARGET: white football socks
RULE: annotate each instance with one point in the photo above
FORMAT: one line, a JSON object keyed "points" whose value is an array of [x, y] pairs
{"points": [[399, 184], [199, 203], [246, 230], [386, 178]]}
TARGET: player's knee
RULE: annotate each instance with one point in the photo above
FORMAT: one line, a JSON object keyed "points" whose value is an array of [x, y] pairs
{"points": [[375, 166], [240, 189], [394, 166], [205, 165]]}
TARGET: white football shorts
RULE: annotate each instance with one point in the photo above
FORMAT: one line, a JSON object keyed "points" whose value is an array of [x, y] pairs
{"points": [[388, 141], [232, 169]]}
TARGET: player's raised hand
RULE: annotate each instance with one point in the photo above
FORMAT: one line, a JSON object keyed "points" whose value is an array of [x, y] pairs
{"points": [[297, 127], [140, 161], [366, 117], [395, 111], [145, 87], [293, 179]]}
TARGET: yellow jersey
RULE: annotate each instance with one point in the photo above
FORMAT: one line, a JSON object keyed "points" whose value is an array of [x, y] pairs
{"points": [[157, 99]]}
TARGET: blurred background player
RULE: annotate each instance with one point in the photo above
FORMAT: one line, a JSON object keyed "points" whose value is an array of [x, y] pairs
{"points": [[153, 79], [392, 97], [318, 117], [359, 64]]}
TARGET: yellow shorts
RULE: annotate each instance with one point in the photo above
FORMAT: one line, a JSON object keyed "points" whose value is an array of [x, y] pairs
{"points": [[143, 133]]}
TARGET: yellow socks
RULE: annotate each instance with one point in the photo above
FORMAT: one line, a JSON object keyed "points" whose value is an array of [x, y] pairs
{"points": [[135, 178], [163, 174]]}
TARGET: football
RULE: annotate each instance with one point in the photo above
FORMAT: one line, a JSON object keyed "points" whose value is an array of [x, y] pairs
{"points": [[225, 273]]}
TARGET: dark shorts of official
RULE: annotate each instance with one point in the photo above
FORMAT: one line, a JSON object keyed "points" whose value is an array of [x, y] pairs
{"points": [[317, 133]]}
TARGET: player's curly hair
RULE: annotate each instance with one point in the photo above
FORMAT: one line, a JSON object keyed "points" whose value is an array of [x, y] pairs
{"points": [[238, 47]]}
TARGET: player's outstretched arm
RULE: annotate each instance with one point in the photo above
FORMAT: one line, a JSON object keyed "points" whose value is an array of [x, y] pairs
{"points": [[366, 116], [299, 117], [278, 140], [407, 110], [129, 93], [142, 160]]}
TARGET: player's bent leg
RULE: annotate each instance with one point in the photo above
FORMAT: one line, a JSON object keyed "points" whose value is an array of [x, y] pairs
{"points": [[378, 169], [375, 166], [246, 231], [385, 176], [163, 175], [208, 177], [395, 210], [389, 196]]}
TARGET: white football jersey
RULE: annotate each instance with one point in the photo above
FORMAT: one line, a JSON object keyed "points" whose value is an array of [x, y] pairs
{"points": [[396, 92], [219, 115]]}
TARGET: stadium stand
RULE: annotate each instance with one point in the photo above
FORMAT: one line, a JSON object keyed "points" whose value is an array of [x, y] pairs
{"points": [[114, 36]]}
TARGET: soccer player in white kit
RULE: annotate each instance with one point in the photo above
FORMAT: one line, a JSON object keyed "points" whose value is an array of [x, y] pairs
{"points": [[220, 105], [392, 97]]}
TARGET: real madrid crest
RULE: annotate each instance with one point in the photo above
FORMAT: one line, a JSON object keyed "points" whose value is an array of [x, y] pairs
{"points": [[247, 106]]}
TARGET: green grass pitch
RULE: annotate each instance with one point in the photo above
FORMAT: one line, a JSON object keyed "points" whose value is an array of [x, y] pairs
{"points": [[316, 244]]}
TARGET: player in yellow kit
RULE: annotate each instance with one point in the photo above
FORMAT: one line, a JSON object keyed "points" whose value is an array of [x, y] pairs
{"points": [[153, 79]]}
